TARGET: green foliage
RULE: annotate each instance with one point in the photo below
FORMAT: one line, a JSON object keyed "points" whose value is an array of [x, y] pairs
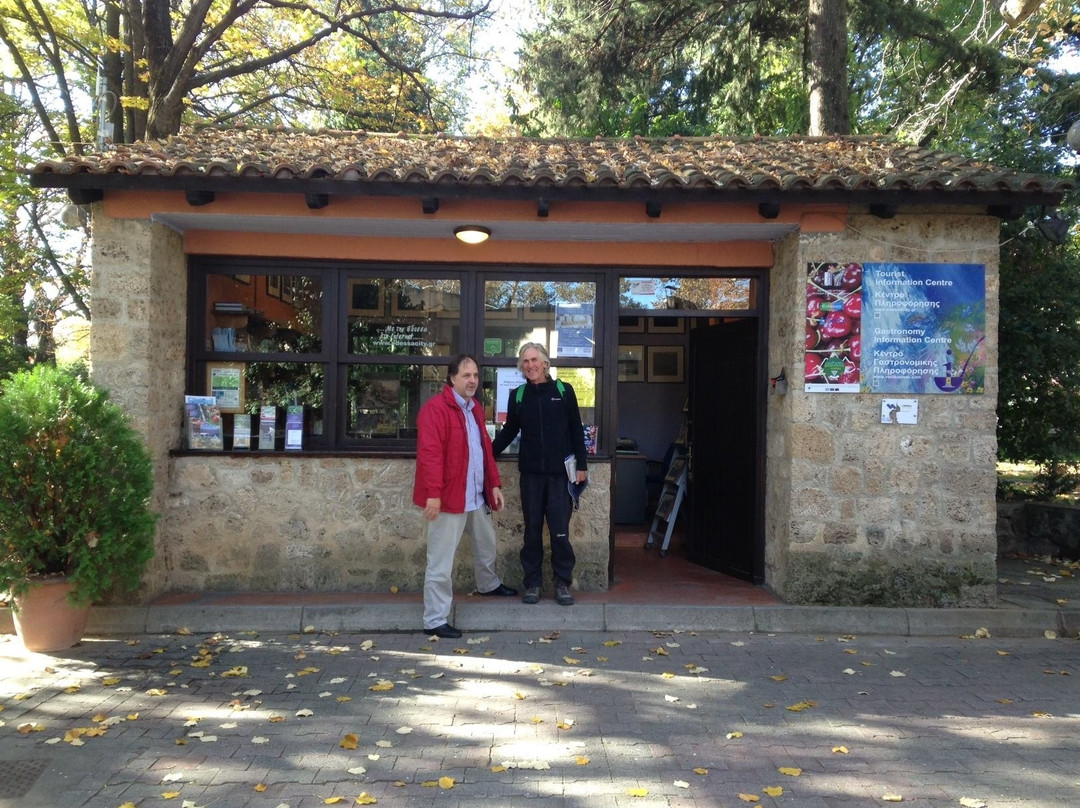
{"points": [[1039, 359], [75, 486]]}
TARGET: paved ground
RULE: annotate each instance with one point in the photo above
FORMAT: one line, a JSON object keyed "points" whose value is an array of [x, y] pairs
{"points": [[596, 719]]}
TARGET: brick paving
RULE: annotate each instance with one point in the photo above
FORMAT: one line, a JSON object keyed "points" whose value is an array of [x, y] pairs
{"points": [[581, 718]]}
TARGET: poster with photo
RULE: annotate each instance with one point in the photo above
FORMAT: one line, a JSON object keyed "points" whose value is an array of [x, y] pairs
{"points": [[895, 328], [574, 334]]}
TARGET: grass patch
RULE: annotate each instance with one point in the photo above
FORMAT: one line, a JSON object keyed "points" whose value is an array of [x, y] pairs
{"points": [[1018, 481]]}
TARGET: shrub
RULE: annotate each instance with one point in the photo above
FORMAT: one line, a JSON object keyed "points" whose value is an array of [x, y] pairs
{"points": [[75, 486]]}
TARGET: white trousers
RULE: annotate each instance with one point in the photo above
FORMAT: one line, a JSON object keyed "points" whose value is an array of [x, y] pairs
{"points": [[443, 536]]}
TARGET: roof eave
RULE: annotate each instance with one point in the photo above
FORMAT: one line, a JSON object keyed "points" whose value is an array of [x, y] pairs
{"points": [[86, 187]]}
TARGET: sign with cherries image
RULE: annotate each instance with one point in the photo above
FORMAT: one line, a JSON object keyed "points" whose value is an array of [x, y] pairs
{"points": [[895, 328]]}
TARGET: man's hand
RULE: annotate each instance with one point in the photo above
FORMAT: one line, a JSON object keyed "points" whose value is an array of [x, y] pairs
{"points": [[497, 500], [431, 510], [582, 475]]}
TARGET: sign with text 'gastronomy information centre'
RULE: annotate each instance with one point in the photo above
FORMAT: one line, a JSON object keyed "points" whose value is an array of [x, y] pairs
{"points": [[895, 328]]}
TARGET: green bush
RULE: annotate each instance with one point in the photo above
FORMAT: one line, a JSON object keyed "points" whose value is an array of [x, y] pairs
{"points": [[75, 486]]}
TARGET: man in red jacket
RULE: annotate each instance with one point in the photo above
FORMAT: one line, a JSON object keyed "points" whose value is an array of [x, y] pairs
{"points": [[456, 484]]}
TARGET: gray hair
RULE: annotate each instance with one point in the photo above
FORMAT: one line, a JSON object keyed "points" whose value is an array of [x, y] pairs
{"points": [[540, 349]]}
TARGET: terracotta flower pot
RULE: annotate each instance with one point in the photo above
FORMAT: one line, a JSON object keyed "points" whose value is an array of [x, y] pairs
{"points": [[45, 620]]}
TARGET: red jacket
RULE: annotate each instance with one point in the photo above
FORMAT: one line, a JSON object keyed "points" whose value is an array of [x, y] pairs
{"points": [[442, 453]]}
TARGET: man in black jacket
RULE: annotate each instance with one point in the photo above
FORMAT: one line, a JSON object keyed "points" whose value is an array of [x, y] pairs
{"points": [[545, 412]]}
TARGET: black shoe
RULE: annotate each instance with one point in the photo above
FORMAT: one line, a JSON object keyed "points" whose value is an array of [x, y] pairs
{"points": [[502, 591], [562, 595], [445, 632], [532, 595]]}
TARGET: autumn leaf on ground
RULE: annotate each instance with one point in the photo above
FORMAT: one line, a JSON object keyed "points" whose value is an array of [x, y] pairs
{"points": [[779, 678], [701, 771], [891, 798], [350, 741], [773, 791], [660, 651], [260, 787], [581, 760], [791, 771], [750, 798], [971, 802], [565, 724], [637, 792], [840, 750], [537, 719], [333, 800], [365, 799], [667, 675], [734, 735], [381, 685], [170, 795], [571, 660], [305, 713], [184, 630], [798, 707], [157, 691], [446, 782], [612, 643], [109, 681]]}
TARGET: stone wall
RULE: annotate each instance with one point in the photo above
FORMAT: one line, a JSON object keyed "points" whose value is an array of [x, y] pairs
{"points": [[860, 512], [293, 523], [137, 341]]}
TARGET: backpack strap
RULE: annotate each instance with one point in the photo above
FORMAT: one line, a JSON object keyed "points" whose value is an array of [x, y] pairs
{"points": [[521, 391]]}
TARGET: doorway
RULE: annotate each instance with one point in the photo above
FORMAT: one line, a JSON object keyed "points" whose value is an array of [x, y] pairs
{"points": [[692, 380]]}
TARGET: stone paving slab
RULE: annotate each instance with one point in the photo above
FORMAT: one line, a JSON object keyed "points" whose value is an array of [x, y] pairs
{"points": [[552, 717]]}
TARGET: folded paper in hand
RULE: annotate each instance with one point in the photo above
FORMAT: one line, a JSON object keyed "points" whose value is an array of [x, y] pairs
{"points": [[575, 488]]}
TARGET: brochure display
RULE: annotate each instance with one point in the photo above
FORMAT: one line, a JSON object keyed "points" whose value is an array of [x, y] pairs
{"points": [[241, 438], [202, 422], [294, 427], [267, 428]]}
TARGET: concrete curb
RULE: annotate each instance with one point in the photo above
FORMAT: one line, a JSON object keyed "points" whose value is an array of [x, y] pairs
{"points": [[483, 616]]}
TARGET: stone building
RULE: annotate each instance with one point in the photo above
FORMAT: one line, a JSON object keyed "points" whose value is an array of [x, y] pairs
{"points": [[811, 322]]}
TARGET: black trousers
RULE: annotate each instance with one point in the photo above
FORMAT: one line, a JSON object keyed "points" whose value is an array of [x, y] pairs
{"points": [[545, 496]]}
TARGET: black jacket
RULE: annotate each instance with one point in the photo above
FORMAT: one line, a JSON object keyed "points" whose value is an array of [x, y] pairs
{"points": [[550, 427]]}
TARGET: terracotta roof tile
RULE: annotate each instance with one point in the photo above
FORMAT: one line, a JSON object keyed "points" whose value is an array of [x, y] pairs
{"points": [[711, 163]]}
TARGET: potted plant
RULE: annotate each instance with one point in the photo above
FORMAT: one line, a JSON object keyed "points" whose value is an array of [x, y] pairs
{"points": [[75, 488]]}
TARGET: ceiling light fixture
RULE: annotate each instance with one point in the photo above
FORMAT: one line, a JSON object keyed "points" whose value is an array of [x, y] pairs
{"points": [[472, 233]]}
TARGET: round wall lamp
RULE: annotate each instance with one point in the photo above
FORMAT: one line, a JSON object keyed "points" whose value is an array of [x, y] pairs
{"points": [[472, 233]]}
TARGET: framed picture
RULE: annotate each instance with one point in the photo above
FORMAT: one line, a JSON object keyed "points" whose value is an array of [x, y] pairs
{"points": [[666, 363], [404, 304], [225, 382], [666, 325], [631, 363], [365, 297], [631, 325], [273, 286], [287, 286], [244, 279]]}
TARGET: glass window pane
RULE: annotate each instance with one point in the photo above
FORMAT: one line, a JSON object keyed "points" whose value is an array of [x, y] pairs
{"points": [[263, 313], [383, 400], [686, 294], [557, 314], [498, 385], [403, 317], [279, 384]]}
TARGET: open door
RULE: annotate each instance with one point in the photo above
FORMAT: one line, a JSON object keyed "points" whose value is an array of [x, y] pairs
{"points": [[723, 432]]}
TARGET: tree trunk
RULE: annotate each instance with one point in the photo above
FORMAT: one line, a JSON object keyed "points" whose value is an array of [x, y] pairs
{"points": [[166, 105], [829, 113], [114, 73]]}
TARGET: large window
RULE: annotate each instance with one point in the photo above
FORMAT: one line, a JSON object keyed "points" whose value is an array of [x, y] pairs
{"points": [[360, 349]]}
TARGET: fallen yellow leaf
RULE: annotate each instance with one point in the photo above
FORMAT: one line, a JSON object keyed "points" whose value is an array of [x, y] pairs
{"points": [[791, 771], [892, 798], [802, 705], [612, 643], [571, 660], [750, 798], [971, 802], [156, 691], [365, 798], [382, 685], [734, 735], [446, 782], [350, 741], [637, 792], [184, 630], [498, 769], [840, 750], [661, 651], [564, 725], [773, 791], [779, 678], [581, 760], [260, 787], [109, 681], [700, 770], [667, 675]]}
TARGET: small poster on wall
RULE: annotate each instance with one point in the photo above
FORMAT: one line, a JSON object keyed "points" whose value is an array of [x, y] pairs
{"points": [[506, 381], [294, 427]]}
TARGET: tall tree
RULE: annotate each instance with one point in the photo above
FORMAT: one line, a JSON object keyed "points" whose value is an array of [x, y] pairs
{"points": [[827, 68]]}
